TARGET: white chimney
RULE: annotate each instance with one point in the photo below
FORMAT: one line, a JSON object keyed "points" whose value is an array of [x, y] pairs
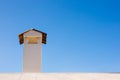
{"points": [[32, 57]]}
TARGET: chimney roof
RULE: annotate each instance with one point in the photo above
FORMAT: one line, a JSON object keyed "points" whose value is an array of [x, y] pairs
{"points": [[21, 38]]}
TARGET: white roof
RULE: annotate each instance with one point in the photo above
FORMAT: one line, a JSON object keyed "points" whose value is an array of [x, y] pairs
{"points": [[60, 76]]}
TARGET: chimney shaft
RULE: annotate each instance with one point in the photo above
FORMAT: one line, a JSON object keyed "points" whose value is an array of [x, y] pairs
{"points": [[32, 57]]}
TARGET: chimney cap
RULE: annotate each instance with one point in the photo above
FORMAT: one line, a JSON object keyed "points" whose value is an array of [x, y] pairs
{"points": [[21, 38]]}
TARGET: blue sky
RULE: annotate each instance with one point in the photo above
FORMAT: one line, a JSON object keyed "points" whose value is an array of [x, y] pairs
{"points": [[83, 35]]}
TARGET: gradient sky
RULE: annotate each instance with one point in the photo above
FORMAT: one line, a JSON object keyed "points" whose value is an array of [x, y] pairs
{"points": [[83, 35]]}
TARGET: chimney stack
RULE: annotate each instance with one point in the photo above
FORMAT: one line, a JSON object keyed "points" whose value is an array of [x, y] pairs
{"points": [[32, 57]]}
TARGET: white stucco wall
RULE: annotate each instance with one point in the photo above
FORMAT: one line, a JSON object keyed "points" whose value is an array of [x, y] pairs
{"points": [[32, 57], [60, 76]]}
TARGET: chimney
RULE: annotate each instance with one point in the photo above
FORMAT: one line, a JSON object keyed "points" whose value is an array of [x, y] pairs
{"points": [[32, 57]]}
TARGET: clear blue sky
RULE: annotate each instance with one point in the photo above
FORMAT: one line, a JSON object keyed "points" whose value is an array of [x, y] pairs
{"points": [[83, 35]]}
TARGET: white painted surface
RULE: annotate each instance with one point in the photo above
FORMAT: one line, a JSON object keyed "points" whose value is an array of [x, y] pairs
{"points": [[32, 57], [60, 76]]}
